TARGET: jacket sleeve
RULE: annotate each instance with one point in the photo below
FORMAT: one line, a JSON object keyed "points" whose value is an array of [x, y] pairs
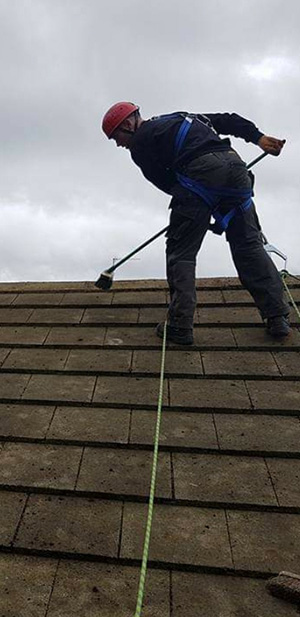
{"points": [[233, 124]]}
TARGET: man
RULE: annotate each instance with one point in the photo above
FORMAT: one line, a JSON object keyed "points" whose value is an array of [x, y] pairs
{"points": [[183, 155]]}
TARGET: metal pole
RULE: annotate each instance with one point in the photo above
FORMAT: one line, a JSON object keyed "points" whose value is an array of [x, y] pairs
{"points": [[105, 279], [261, 156], [139, 248], [159, 233]]}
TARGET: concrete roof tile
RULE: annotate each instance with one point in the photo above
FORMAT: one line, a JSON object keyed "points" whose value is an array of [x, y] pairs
{"points": [[265, 541], [46, 465], [90, 425], [73, 525], [208, 595], [178, 429], [123, 472], [83, 588], [25, 585], [78, 396], [195, 536]]}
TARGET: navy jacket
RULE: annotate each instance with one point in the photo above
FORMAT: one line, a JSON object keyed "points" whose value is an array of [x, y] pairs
{"points": [[153, 145]]}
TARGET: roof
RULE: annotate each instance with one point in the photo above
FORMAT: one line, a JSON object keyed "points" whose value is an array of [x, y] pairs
{"points": [[78, 397]]}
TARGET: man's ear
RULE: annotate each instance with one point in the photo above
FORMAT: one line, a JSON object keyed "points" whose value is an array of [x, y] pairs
{"points": [[128, 123]]}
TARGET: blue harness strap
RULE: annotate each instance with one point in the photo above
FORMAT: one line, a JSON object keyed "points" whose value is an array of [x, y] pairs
{"points": [[211, 196], [181, 135]]}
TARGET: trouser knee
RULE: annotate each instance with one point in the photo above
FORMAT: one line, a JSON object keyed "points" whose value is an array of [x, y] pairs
{"points": [[181, 278]]}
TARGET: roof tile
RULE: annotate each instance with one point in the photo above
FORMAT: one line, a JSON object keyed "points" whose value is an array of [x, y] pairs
{"points": [[79, 387]]}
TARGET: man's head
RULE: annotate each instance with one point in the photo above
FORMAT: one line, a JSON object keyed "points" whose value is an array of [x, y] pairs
{"points": [[121, 122]]}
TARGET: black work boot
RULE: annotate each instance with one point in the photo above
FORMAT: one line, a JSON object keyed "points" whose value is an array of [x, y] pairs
{"points": [[278, 326], [181, 336]]}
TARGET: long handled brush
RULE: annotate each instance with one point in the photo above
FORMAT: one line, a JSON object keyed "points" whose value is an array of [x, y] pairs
{"points": [[286, 585], [105, 280]]}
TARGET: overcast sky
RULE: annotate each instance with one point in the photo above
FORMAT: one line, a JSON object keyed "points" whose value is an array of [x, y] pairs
{"points": [[70, 200]]}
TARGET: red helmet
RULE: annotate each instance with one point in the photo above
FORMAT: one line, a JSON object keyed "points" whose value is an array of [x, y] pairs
{"points": [[115, 116]]}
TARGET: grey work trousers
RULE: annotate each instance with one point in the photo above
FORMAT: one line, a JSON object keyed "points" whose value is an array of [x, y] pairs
{"points": [[189, 222]]}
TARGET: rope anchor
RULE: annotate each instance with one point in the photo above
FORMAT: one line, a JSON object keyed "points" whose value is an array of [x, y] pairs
{"points": [[270, 248], [284, 274]]}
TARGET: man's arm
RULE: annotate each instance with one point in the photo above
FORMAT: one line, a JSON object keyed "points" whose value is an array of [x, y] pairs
{"points": [[233, 124]]}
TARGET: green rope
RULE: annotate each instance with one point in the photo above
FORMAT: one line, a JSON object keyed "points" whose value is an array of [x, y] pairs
{"points": [[284, 274], [140, 595]]}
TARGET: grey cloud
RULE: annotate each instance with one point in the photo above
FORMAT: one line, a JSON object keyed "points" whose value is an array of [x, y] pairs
{"points": [[63, 63]]}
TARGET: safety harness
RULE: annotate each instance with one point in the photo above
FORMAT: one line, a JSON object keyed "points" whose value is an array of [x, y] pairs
{"points": [[211, 196]]}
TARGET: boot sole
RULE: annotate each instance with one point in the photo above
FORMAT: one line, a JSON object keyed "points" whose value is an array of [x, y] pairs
{"points": [[279, 334], [170, 339]]}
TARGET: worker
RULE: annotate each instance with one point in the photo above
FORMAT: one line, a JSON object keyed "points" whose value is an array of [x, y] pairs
{"points": [[183, 155]]}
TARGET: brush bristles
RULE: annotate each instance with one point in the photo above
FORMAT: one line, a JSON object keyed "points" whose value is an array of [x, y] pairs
{"points": [[104, 281], [286, 586]]}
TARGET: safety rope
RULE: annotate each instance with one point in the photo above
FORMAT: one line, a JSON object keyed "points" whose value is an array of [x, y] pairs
{"points": [[284, 274], [140, 594]]}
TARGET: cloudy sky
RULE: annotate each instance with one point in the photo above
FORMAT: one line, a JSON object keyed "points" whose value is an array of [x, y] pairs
{"points": [[70, 201]]}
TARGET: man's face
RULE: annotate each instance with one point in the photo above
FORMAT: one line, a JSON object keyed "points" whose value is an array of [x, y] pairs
{"points": [[123, 134], [121, 138]]}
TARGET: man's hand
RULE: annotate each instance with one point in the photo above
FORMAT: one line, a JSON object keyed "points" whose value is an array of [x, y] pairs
{"points": [[272, 145]]}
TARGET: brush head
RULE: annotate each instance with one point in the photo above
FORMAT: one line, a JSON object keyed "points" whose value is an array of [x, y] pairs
{"points": [[105, 280], [286, 585]]}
